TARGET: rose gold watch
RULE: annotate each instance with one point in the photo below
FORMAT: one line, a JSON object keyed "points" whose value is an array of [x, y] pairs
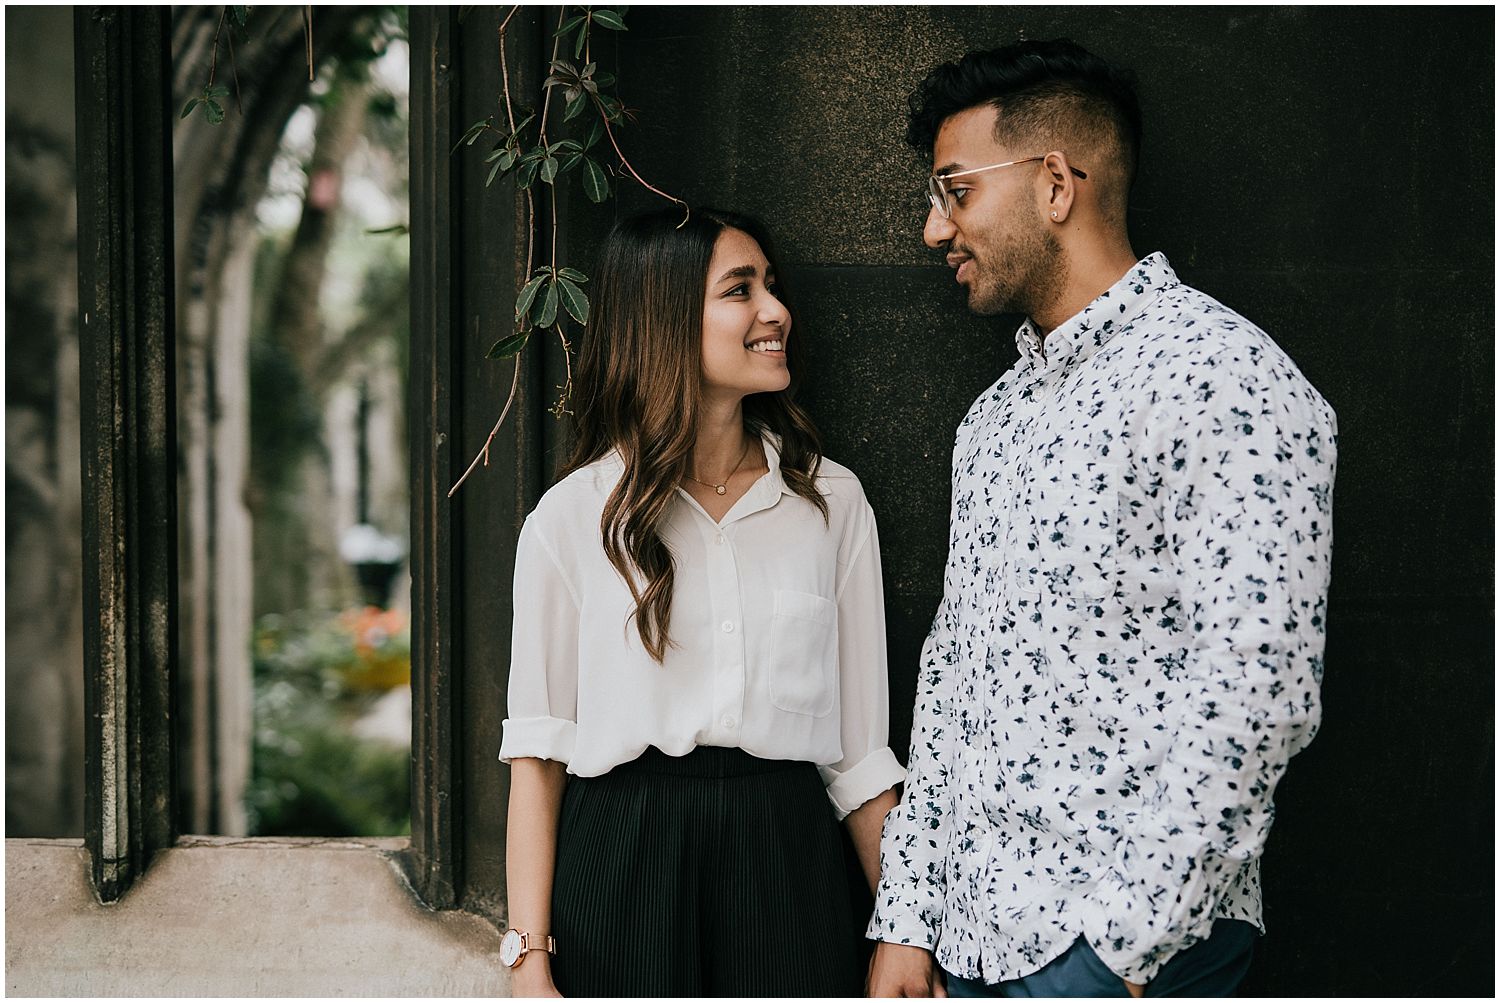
{"points": [[516, 944]]}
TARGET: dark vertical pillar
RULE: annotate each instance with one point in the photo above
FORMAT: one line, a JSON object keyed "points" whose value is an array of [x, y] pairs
{"points": [[129, 439], [436, 861], [468, 257]]}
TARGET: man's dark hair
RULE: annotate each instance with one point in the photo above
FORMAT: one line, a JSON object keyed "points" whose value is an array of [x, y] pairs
{"points": [[1048, 93]]}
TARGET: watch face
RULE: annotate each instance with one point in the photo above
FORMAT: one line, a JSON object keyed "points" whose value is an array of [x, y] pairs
{"points": [[510, 948]]}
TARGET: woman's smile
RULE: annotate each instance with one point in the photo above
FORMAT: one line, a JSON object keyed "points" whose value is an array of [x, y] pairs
{"points": [[773, 345]]}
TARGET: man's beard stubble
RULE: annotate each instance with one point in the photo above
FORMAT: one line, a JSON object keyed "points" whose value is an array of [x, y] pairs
{"points": [[1024, 277]]}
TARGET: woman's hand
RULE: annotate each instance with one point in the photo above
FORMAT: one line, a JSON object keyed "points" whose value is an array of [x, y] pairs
{"points": [[532, 978]]}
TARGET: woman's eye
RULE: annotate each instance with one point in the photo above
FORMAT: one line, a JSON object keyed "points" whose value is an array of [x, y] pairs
{"points": [[740, 290]]}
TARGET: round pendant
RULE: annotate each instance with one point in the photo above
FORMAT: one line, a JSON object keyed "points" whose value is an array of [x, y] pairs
{"points": [[720, 489]]}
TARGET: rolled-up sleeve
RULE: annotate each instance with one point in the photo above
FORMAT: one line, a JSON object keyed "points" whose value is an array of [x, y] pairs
{"points": [[542, 697], [868, 767]]}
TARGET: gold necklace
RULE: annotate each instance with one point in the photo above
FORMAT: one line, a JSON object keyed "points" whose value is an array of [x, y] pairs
{"points": [[720, 489]]}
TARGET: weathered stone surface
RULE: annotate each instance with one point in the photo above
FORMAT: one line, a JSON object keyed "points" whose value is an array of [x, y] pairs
{"points": [[220, 917]]}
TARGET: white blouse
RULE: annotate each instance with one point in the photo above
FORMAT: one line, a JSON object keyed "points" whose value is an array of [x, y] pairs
{"points": [[777, 635]]}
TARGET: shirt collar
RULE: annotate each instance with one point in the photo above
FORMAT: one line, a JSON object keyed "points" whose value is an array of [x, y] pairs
{"points": [[767, 491], [1082, 334], [763, 494]]}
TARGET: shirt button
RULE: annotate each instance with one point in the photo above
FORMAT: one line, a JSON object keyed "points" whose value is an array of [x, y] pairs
{"points": [[727, 626], [719, 540], [730, 722]]}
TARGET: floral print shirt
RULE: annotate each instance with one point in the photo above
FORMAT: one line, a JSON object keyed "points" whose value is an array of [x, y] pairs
{"points": [[1129, 646]]}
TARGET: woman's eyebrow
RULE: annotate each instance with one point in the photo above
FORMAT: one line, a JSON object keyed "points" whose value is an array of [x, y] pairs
{"points": [[742, 272]]}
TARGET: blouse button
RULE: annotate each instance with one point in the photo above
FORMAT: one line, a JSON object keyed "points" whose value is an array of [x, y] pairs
{"points": [[719, 540], [728, 626], [730, 722]]}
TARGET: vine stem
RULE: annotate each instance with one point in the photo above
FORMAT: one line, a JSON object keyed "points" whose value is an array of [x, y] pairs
{"points": [[213, 63], [484, 453], [611, 134], [510, 116]]}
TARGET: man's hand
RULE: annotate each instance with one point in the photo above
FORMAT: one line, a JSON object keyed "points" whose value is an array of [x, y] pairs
{"points": [[1135, 989], [903, 970]]}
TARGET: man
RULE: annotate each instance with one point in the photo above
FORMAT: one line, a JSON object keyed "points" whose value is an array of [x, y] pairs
{"points": [[1129, 646]]}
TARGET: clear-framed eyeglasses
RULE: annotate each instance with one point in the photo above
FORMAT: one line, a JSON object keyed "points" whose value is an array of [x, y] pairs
{"points": [[942, 200]]}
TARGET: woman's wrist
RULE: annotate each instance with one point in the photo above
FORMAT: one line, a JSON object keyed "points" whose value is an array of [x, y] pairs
{"points": [[533, 970]]}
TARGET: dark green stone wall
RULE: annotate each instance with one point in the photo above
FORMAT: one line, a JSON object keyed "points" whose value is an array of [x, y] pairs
{"points": [[1327, 173]]}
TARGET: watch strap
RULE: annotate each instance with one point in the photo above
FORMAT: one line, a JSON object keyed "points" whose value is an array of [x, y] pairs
{"points": [[550, 946]]}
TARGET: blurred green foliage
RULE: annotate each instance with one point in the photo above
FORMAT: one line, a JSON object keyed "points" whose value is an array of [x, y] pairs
{"points": [[311, 775]]}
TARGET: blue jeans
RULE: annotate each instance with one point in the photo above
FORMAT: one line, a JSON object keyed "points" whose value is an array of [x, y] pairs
{"points": [[1212, 967]]}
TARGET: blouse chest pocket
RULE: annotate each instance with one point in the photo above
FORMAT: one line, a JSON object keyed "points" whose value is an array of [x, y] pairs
{"points": [[1069, 523], [804, 653]]}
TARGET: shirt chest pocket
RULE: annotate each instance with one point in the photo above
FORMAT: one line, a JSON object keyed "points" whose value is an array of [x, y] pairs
{"points": [[1069, 520], [804, 653]]}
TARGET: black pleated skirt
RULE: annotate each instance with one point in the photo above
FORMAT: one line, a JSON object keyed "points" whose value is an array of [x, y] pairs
{"points": [[710, 874]]}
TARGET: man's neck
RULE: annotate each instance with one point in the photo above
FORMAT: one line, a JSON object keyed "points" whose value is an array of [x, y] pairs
{"points": [[1090, 275]]}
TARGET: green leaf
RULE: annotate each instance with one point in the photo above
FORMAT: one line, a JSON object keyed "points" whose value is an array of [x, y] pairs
{"points": [[573, 275], [549, 169], [216, 91], [604, 79], [569, 25], [506, 347], [241, 15], [565, 146], [399, 228], [573, 300], [572, 162], [580, 42], [596, 133], [545, 315], [575, 106], [472, 133], [613, 109], [595, 184], [187, 109], [508, 160], [493, 171], [496, 154], [588, 70], [527, 174], [215, 112], [528, 295], [608, 19]]}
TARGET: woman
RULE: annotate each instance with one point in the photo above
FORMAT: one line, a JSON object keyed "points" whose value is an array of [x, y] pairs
{"points": [[699, 646]]}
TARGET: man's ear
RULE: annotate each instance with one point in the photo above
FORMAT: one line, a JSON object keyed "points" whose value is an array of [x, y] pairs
{"points": [[1060, 186]]}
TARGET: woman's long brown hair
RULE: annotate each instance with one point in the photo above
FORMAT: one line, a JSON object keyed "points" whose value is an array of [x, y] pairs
{"points": [[638, 390]]}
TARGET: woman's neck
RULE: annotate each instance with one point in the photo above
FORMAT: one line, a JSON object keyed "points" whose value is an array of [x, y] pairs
{"points": [[722, 442]]}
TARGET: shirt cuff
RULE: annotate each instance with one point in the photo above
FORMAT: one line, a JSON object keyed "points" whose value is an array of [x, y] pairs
{"points": [[899, 923], [538, 738], [877, 772]]}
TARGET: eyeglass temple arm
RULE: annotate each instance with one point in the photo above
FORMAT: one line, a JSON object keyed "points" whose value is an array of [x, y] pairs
{"points": [[1009, 163]]}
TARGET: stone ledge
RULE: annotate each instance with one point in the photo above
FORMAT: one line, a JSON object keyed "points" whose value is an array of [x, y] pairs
{"points": [[218, 916]]}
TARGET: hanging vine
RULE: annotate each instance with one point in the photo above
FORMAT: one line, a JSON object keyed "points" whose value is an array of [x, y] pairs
{"points": [[526, 151]]}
